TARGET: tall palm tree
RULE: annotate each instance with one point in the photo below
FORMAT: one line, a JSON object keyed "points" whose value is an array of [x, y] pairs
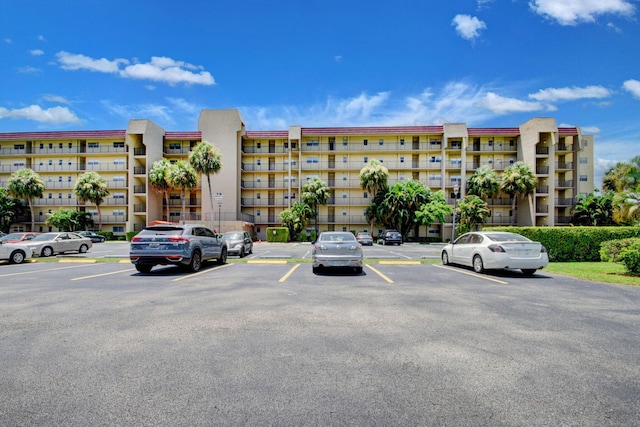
{"points": [[181, 176], [206, 159], [518, 180], [93, 188], [315, 193], [623, 176], [484, 183], [27, 184], [158, 179], [627, 206], [373, 178]]}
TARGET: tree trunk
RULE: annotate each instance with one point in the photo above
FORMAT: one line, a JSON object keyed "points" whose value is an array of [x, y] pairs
{"points": [[513, 210], [33, 218], [184, 207], [213, 219], [99, 217]]}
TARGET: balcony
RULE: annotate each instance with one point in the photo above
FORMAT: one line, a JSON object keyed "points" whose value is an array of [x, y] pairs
{"points": [[564, 184], [491, 148], [542, 209], [542, 189], [501, 201], [542, 170], [562, 220], [565, 201], [141, 151], [564, 148], [564, 165], [542, 150], [139, 170]]}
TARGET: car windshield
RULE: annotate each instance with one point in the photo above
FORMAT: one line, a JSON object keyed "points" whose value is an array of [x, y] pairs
{"points": [[337, 237], [45, 236], [232, 236], [161, 231], [506, 237], [12, 236]]}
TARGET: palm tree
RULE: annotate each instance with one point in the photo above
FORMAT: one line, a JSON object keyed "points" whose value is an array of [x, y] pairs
{"points": [[593, 210], [518, 180], [399, 204], [473, 211], [296, 218], [373, 178], [181, 176], [484, 183], [10, 208], [26, 184], [627, 206], [623, 176], [91, 187], [315, 193], [207, 160], [158, 179]]}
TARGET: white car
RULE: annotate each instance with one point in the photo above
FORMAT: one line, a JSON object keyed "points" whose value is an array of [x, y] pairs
{"points": [[494, 250], [47, 244], [14, 252]]}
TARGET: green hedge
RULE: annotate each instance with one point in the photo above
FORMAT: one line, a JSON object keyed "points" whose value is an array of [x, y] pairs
{"points": [[277, 234], [566, 244]]}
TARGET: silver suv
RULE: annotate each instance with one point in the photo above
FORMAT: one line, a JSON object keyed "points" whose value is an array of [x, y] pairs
{"points": [[183, 245]]}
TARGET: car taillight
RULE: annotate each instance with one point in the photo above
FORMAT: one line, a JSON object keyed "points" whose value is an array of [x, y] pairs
{"points": [[543, 249], [178, 239], [136, 239], [496, 248]]}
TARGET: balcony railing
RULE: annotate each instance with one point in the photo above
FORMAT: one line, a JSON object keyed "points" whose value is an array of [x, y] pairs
{"points": [[495, 147], [565, 201], [542, 170], [564, 165], [542, 150], [564, 184]]}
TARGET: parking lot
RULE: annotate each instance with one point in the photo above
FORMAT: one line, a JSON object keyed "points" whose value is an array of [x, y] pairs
{"points": [[267, 342]]}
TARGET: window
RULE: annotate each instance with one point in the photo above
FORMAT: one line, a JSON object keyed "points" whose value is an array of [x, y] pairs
{"points": [[584, 160], [344, 159], [18, 146], [584, 178], [70, 145], [344, 213], [456, 162], [401, 159], [258, 162], [381, 141], [401, 177], [511, 160], [118, 196], [93, 145], [365, 142], [313, 143], [20, 163], [401, 141], [119, 162], [435, 159], [258, 196], [50, 162], [312, 160], [118, 213], [59, 179], [118, 179], [175, 146], [93, 162], [258, 212], [60, 145], [344, 177], [434, 142], [59, 195], [60, 162], [344, 195], [366, 159], [258, 145], [365, 195], [68, 179], [51, 145], [344, 141], [118, 144], [435, 177], [50, 195], [118, 229], [585, 142]]}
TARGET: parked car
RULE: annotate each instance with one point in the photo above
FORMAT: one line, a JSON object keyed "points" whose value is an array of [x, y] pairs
{"points": [[183, 245], [48, 244], [337, 249], [15, 253], [390, 237], [95, 238], [238, 243], [18, 237], [490, 250], [365, 239]]}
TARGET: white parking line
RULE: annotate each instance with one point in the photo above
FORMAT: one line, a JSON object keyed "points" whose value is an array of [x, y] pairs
{"points": [[402, 255], [189, 276], [48, 269], [468, 273]]}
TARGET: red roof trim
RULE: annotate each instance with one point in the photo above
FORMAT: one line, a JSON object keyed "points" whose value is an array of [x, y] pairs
{"points": [[257, 134], [183, 135], [494, 131], [80, 134], [568, 131], [381, 130]]}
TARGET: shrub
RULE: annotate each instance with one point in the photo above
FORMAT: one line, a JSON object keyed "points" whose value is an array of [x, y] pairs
{"points": [[302, 236], [277, 234], [107, 234], [610, 250], [566, 244], [630, 257], [131, 234]]}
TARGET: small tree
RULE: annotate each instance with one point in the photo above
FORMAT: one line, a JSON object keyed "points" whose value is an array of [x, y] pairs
{"points": [[10, 209], [27, 184], [315, 193], [158, 179], [181, 176], [518, 180], [473, 212], [91, 187], [484, 183], [296, 218], [206, 159], [69, 220], [434, 211]]}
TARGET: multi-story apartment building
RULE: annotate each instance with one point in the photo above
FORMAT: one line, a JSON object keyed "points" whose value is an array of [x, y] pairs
{"points": [[263, 171]]}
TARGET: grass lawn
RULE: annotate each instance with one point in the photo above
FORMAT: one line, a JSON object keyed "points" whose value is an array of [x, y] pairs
{"points": [[608, 272]]}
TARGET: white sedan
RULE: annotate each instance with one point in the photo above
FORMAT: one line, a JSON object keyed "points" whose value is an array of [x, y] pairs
{"points": [[48, 244], [489, 250], [14, 252]]}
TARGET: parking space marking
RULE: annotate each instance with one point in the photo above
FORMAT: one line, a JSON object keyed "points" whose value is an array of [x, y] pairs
{"points": [[189, 276], [402, 255], [103, 274], [400, 262], [289, 273], [50, 269], [468, 273], [267, 261], [380, 274]]}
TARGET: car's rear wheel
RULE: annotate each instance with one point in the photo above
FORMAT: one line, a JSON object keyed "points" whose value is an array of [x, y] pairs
{"points": [[47, 251], [196, 262], [83, 249], [144, 268], [445, 258], [17, 257], [223, 257], [478, 265], [528, 271], [314, 270]]}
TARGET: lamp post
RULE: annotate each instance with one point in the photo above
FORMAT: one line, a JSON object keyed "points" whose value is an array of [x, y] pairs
{"points": [[456, 189], [219, 197]]}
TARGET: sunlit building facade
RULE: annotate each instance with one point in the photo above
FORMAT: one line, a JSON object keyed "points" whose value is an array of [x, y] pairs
{"points": [[263, 171]]}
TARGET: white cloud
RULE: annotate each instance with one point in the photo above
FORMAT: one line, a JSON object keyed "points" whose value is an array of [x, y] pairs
{"points": [[570, 93], [28, 70], [158, 113], [467, 26], [160, 69], [70, 61], [590, 130], [56, 98], [184, 105], [8, 40], [55, 115], [502, 105], [169, 71], [36, 52], [633, 87], [573, 12]]}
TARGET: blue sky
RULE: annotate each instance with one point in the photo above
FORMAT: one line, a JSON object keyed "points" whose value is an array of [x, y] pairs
{"points": [[76, 65]]}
